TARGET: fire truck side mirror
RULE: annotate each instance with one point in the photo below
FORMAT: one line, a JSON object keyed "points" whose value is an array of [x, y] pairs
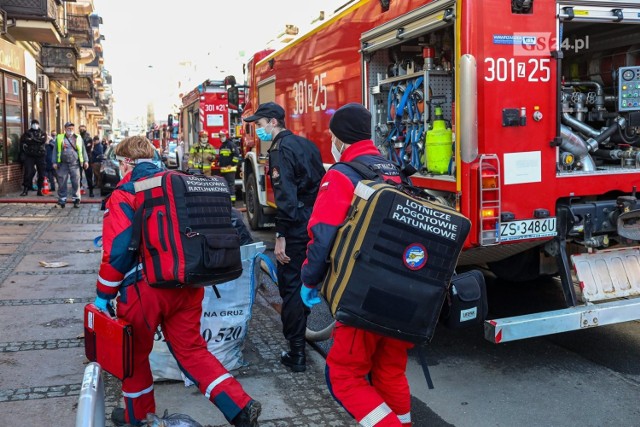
{"points": [[233, 97]]}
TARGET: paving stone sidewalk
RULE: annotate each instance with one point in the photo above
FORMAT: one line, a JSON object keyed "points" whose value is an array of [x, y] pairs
{"points": [[42, 350]]}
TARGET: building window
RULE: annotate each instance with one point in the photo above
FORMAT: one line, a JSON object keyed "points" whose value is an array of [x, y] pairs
{"points": [[2, 142], [13, 113]]}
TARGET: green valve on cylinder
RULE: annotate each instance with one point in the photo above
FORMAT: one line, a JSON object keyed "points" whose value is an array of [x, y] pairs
{"points": [[438, 145]]}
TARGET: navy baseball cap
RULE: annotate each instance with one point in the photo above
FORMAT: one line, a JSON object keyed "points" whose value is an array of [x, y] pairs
{"points": [[268, 110], [69, 124]]}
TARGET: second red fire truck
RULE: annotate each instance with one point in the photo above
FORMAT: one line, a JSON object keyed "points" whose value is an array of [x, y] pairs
{"points": [[524, 115], [212, 106]]}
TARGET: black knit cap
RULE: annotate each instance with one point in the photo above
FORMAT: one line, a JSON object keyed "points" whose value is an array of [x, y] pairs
{"points": [[35, 122], [351, 123]]}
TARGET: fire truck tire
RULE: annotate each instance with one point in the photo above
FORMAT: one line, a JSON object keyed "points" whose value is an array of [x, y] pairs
{"points": [[252, 203], [521, 267]]}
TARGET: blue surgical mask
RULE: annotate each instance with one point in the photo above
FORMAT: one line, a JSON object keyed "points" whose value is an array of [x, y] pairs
{"points": [[263, 134]]}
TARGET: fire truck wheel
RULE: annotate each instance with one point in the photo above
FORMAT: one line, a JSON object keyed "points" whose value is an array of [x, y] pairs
{"points": [[252, 203], [521, 267]]}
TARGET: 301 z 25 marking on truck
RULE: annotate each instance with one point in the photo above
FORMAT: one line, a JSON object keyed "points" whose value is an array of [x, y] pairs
{"points": [[532, 70], [310, 96]]}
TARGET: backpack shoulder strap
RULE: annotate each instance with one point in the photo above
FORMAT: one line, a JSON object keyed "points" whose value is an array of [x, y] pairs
{"points": [[367, 173], [363, 170], [425, 367]]}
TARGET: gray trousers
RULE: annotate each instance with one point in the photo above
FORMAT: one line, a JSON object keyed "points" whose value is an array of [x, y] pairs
{"points": [[65, 172]]}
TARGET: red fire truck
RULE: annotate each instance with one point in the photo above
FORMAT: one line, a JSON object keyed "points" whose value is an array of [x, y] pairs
{"points": [[155, 135], [522, 114], [212, 106]]}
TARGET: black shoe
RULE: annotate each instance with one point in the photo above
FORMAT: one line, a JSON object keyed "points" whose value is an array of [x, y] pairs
{"points": [[296, 360], [25, 191], [40, 193], [248, 417], [61, 204], [76, 203], [117, 417], [91, 193]]}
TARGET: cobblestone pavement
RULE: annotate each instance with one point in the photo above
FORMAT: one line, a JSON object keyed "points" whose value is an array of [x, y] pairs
{"points": [[41, 346]]}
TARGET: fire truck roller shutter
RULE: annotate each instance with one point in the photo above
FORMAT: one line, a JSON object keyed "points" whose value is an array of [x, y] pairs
{"points": [[416, 23]]}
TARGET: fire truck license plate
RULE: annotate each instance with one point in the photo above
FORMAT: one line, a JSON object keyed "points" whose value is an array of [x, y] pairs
{"points": [[527, 229]]}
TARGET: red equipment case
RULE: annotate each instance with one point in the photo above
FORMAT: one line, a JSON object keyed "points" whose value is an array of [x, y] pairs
{"points": [[108, 341]]}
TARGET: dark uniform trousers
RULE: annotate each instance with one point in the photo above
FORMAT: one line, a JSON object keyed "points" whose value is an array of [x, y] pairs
{"points": [[293, 313], [31, 163]]}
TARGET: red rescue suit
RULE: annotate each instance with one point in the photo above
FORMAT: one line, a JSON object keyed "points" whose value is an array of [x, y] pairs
{"points": [[365, 371], [178, 311]]}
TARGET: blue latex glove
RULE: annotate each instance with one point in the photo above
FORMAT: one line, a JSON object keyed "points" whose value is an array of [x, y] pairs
{"points": [[309, 295], [101, 304]]}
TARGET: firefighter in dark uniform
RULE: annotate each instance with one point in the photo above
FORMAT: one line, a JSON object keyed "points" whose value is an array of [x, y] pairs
{"points": [[228, 158], [296, 169]]}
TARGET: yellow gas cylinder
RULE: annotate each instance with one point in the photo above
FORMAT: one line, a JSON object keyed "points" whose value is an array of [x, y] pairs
{"points": [[438, 149]]}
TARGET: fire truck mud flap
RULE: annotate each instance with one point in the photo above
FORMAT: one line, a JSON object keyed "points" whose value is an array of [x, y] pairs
{"points": [[569, 319], [608, 274]]}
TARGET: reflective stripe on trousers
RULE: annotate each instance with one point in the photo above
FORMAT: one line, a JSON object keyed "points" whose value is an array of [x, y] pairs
{"points": [[133, 395], [214, 383], [375, 416]]}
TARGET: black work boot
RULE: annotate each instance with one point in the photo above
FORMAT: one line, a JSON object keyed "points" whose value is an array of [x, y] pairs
{"points": [[248, 417], [118, 417], [91, 192], [76, 203], [25, 190], [39, 193], [295, 357]]}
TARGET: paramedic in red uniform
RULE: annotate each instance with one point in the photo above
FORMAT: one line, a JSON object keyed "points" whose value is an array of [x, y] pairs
{"points": [[365, 370], [295, 168], [177, 310]]}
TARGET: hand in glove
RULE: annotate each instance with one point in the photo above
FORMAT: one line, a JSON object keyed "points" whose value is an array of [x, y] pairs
{"points": [[309, 295], [101, 304]]}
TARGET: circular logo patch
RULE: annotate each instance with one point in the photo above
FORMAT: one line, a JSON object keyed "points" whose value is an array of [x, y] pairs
{"points": [[415, 256]]}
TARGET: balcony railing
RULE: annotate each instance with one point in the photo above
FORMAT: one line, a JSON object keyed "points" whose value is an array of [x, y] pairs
{"points": [[60, 62], [82, 88], [29, 15], [78, 26]]}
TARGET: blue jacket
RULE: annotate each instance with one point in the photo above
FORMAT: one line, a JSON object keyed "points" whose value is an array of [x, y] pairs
{"points": [[97, 153]]}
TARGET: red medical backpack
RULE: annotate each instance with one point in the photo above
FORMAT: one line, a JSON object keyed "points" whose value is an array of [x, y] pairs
{"points": [[182, 229]]}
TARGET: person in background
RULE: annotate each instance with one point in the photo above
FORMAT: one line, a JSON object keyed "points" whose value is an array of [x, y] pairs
{"points": [[69, 155], [202, 154], [49, 170], [88, 145], [33, 151], [96, 156], [228, 161], [295, 168], [177, 310], [365, 371]]}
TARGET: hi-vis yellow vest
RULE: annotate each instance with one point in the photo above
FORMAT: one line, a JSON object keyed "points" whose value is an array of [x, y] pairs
{"points": [[79, 143]]}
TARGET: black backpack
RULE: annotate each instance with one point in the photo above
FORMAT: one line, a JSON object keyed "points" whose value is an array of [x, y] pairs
{"points": [[183, 230]]}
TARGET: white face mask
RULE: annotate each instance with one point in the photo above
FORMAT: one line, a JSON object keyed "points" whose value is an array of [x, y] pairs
{"points": [[69, 132], [35, 126], [334, 150]]}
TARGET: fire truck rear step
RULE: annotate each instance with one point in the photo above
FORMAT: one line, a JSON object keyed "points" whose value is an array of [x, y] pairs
{"points": [[569, 319], [608, 274]]}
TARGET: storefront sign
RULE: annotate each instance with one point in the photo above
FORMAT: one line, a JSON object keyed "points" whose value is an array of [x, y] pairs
{"points": [[11, 57]]}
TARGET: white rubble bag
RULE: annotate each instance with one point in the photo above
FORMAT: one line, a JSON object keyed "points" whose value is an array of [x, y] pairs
{"points": [[226, 311]]}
